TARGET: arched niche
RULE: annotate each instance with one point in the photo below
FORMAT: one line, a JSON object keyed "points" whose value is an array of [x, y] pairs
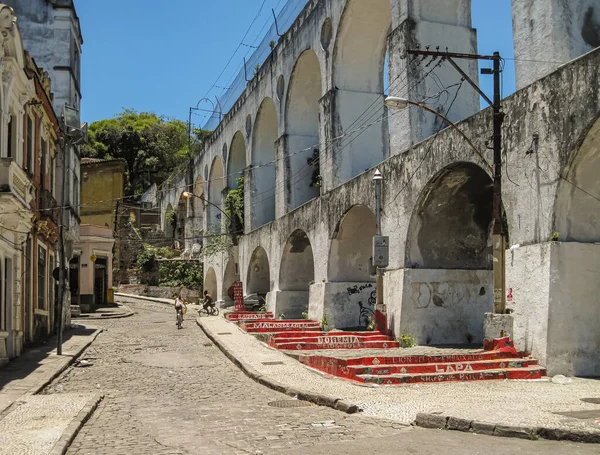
{"points": [[210, 283], [302, 128], [350, 251], [297, 268], [451, 223], [258, 276], [215, 195], [358, 76], [180, 221], [230, 276], [448, 279], [263, 186], [237, 160]]}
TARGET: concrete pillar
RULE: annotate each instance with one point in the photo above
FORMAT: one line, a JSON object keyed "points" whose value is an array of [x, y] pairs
{"points": [[548, 33], [421, 23], [281, 178]]}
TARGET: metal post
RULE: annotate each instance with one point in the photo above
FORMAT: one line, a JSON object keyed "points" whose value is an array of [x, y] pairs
{"points": [[61, 247], [498, 238]]}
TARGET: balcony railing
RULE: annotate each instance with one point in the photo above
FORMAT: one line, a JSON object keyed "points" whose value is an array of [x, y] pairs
{"points": [[14, 180], [48, 206]]}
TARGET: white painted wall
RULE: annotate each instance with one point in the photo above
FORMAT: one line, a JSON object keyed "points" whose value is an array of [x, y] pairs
{"points": [[445, 306]]}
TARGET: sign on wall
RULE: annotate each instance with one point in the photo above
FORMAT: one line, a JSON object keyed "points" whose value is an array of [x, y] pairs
{"points": [[238, 296]]}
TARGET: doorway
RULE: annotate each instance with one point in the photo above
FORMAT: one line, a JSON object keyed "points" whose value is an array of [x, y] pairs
{"points": [[100, 281]]}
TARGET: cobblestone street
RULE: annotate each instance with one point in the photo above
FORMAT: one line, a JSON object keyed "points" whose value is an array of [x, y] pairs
{"points": [[170, 391]]}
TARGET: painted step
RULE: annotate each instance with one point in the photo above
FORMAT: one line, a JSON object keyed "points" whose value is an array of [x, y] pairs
{"points": [[266, 327], [416, 359], [427, 368], [337, 343], [310, 337], [531, 372], [250, 316]]}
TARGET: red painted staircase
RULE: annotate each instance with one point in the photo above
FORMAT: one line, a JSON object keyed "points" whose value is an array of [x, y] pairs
{"points": [[502, 362], [388, 364]]}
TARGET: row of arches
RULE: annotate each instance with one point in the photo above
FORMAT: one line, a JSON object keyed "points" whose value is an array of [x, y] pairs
{"points": [[357, 83]]}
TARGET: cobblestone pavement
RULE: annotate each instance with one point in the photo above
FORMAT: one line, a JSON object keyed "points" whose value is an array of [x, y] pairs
{"points": [[170, 391]]}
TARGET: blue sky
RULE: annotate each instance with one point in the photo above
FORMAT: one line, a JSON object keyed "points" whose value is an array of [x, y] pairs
{"points": [[163, 57]]}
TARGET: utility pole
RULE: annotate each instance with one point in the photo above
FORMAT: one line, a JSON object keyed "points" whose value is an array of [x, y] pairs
{"points": [[61, 247], [499, 264]]}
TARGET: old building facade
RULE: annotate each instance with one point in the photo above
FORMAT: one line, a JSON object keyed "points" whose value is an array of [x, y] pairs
{"points": [[41, 150], [52, 35], [101, 194], [309, 249], [16, 186]]}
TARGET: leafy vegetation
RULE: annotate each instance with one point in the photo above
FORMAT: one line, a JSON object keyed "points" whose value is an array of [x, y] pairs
{"points": [[151, 145], [177, 273], [234, 208]]}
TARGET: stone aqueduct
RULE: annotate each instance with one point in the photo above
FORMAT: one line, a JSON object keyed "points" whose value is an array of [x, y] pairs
{"points": [[308, 248]]}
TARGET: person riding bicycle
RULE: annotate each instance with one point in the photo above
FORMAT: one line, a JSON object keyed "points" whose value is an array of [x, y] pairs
{"points": [[178, 306], [208, 300]]}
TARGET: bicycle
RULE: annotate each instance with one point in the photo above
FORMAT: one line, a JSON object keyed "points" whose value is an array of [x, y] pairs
{"points": [[179, 319], [210, 309]]}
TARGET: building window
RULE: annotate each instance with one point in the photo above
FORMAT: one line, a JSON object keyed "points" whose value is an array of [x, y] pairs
{"points": [[43, 166], [52, 171], [76, 193], [51, 283], [41, 273], [29, 159], [9, 148]]}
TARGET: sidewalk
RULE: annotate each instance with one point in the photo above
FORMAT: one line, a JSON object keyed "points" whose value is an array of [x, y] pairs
{"points": [[37, 367], [527, 409], [106, 312]]}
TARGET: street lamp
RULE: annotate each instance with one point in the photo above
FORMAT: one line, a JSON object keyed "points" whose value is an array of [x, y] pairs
{"points": [[499, 264]]}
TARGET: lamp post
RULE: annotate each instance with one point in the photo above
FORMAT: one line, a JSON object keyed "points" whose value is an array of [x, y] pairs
{"points": [[499, 265], [74, 134]]}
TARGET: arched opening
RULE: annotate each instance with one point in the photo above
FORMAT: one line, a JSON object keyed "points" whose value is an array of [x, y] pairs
{"points": [[359, 57], [448, 284], [216, 184], [350, 292], [197, 216], [350, 252], [296, 274], [259, 275], [169, 222], [230, 276], [210, 283], [237, 160], [180, 222], [302, 130], [574, 316], [263, 164]]}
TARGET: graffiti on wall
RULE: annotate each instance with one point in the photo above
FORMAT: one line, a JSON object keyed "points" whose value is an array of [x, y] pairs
{"points": [[443, 294], [366, 302]]}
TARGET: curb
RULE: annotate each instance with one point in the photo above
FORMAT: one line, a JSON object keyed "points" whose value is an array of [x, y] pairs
{"points": [[316, 398], [62, 445], [37, 389], [129, 313], [143, 297], [441, 422]]}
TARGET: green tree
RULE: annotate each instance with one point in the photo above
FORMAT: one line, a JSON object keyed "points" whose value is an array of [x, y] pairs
{"points": [[152, 145]]}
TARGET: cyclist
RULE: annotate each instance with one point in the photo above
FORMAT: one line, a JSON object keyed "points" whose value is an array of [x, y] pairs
{"points": [[208, 300], [178, 308]]}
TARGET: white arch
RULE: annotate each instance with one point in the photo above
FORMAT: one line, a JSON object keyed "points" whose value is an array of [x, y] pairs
{"points": [[216, 183], [236, 162], [264, 138], [302, 128]]}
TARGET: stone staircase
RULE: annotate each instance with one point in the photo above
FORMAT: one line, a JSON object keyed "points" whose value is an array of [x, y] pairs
{"points": [[240, 316], [304, 341], [502, 362]]}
